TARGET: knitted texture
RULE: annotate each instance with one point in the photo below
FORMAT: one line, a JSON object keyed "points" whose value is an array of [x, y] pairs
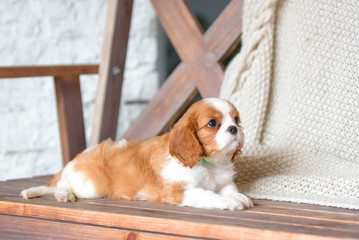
{"points": [[296, 84]]}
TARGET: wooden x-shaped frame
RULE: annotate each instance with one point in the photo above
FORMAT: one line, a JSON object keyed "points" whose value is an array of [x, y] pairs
{"points": [[200, 71]]}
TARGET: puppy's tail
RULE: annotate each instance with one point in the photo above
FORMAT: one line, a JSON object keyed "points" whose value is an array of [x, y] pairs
{"points": [[37, 192], [41, 190]]}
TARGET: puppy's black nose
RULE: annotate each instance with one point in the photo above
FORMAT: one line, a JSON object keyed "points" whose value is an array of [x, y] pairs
{"points": [[233, 130]]}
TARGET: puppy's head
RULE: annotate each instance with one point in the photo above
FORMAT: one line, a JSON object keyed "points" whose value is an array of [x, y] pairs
{"points": [[209, 128]]}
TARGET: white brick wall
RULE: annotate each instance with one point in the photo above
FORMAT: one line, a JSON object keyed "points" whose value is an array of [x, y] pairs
{"points": [[43, 32]]}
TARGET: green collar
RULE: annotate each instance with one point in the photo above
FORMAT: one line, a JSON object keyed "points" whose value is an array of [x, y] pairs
{"points": [[203, 160]]}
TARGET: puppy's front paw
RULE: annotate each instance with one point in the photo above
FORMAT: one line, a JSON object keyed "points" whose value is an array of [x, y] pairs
{"points": [[242, 201], [233, 203]]}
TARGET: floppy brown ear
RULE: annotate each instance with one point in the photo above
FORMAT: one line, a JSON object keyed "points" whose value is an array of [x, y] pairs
{"points": [[184, 144]]}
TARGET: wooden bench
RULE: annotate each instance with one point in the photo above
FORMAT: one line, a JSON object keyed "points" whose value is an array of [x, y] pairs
{"points": [[201, 71], [46, 218]]}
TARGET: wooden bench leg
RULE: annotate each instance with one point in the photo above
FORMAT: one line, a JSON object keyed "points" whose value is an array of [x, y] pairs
{"points": [[70, 114]]}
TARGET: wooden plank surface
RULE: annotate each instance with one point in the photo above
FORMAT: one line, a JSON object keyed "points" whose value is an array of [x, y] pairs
{"points": [[15, 227], [111, 71], [70, 116], [180, 88], [268, 219], [39, 71]]}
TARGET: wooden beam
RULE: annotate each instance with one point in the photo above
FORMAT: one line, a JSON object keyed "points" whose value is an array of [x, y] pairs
{"points": [[70, 115], [185, 33], [180, 88], [173, 97], [223, 36], [41, 71], [111, 71]]}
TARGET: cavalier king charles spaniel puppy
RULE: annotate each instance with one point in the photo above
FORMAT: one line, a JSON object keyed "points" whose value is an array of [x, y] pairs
{"points": [[192, 165]]}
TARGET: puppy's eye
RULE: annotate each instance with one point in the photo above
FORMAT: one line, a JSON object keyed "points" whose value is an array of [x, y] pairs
{"points": [[212, 124], [236, 119]]}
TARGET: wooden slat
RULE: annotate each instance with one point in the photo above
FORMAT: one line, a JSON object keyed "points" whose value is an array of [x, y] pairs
{"points": [[20, 184], [263, 211], [165, 107], [306, 207], [267, 219], [338, 222], [256, 217], [13, 227], [225, 33], [185, 33], [245, 225], [262, 207], [284, 217], [111, 71], [70, 115], [220, 38], [38, 71]]}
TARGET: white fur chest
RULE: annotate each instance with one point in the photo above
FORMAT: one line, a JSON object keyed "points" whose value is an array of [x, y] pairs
{"points": [[207, 176]]}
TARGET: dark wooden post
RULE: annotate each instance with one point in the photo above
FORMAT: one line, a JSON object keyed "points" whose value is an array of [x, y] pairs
{"points": [[111, 71], [70, 115]]}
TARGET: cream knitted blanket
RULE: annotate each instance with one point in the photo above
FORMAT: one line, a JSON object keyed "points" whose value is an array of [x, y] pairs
{"points": [[296, 85]]}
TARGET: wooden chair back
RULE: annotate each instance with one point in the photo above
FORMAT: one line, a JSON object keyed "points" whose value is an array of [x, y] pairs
{"points": [[201, 71]]}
